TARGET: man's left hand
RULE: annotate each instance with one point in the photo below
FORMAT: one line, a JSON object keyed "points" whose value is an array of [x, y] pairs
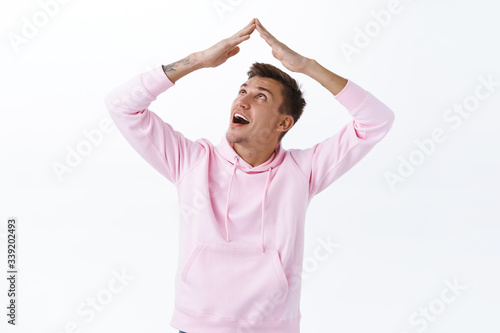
{"points": [[289, 58]]}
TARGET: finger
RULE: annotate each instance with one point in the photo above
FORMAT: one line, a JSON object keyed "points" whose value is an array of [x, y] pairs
{"points": [[261, 28], [270, 39], [246, 30], [267, 39], [251, 22], [240, 36], [230, 45], [243, 38], [233, 52], [235, 40]]}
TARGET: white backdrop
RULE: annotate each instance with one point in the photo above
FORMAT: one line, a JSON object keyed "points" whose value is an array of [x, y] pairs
{"points": [[415, 225]]}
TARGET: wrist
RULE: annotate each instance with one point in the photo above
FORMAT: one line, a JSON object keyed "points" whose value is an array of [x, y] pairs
{"points": [[309, 66], [331, 81], [180, 68], [198, 60]]}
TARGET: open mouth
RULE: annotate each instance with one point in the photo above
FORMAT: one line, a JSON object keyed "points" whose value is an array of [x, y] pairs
{"points": [[240, 119]]}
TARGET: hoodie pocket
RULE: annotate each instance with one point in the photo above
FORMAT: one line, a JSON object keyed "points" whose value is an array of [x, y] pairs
{"points": [[233, 282]]}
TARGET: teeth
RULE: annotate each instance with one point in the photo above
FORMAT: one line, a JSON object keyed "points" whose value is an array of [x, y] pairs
{"points": [[240, 116]]}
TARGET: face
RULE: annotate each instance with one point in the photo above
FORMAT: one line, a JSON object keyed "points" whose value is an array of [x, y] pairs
{"points": [[258, 102]]}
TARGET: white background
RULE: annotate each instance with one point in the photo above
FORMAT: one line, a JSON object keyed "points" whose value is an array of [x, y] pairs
{"points": [[113, 212]]}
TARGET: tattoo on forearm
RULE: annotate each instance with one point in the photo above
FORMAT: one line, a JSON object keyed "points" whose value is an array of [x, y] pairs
{"points": [[172, 67]]}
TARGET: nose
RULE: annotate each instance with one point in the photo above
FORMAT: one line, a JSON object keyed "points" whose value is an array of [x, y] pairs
{"points": [[243, 102]]}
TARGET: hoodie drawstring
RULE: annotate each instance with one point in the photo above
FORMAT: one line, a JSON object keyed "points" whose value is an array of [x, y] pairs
{"points": [[263, 201], [227, 200]]}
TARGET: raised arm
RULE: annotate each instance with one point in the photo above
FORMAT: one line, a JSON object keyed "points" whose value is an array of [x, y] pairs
{"points": [[211, 57], [300, 64], [325, 162], [167, 150]]}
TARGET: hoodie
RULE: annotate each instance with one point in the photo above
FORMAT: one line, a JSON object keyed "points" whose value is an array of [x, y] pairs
{"points": [[241, 228]]}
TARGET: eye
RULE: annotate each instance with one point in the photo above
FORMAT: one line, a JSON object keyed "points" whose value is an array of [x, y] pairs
{"points": [[262, 95], [242, 91]]}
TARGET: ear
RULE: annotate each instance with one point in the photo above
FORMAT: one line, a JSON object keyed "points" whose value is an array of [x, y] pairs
{"points": [[286, 123]]}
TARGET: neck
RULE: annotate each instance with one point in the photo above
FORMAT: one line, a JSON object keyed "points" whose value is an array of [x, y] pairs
{"points": [[255, 156]]}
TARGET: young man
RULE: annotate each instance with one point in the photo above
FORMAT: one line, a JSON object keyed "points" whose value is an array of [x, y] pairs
{"points": [[243, 202]]}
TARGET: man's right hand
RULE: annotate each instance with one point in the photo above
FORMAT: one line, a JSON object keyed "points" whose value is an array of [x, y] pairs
{"points": [[211, 57], [226, 48]]}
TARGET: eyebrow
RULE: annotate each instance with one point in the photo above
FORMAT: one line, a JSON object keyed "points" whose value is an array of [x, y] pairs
{"points": [[259, 88]]}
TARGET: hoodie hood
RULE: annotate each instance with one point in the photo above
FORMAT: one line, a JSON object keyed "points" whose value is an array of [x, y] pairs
{"points": [[226, 150]]}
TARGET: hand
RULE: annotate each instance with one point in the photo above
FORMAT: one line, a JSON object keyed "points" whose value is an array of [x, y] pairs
{"points": [[289, 58], [226, 48]]}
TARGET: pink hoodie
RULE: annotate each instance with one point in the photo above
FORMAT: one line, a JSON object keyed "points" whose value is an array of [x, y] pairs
{"points": [[241, 232]]}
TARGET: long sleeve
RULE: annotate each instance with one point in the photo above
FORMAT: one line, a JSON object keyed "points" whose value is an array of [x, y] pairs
{"points": [[167, 150], [325, 162]]}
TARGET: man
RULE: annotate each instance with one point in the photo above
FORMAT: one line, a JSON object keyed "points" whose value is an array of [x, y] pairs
{"points": [[243, 202]]}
